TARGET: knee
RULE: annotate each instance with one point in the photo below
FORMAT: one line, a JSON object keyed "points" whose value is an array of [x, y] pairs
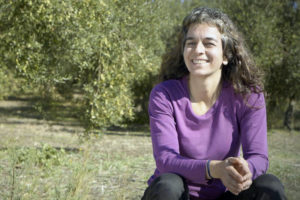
{"points": [[271, 185], [167, 186], [169, 182]]}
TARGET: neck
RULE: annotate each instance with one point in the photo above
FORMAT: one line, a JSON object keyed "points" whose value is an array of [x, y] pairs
{"points": [[204, 90]]}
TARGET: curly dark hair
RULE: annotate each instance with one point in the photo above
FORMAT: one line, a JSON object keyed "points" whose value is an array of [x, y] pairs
{"points": [[241, 71]]}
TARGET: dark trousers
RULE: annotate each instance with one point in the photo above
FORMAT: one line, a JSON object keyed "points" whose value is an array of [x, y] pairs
{"points": [[172, 187]]}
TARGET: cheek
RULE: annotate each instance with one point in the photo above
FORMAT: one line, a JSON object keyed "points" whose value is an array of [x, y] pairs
{"points": [[185, 54], [218, 54]]}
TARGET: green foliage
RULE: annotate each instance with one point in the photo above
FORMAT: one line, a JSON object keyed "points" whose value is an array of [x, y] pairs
{"points": [[46, 173], [46, 157], [284, 82], [9, 84], [103, 56], [271, 30], [96, 48]]}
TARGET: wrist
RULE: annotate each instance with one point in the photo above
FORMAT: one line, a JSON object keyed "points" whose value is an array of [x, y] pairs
{"points": [[215, 166], [208, 173]]}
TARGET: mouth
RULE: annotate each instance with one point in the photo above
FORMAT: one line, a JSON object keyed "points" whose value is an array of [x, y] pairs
{"points": [[199, 61]]}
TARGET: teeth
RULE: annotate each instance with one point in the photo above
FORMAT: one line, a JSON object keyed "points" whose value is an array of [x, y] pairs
{"points": [[199, 61]]}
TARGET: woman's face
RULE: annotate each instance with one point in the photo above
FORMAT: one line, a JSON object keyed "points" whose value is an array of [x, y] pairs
{"points": [[203, 52]]}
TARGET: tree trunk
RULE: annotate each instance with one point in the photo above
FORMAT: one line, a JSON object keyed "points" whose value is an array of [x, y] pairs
{"points": [[288, 116]]}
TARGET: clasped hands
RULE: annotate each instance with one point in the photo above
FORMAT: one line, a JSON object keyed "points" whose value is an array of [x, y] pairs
{"points": [[233, 172]]}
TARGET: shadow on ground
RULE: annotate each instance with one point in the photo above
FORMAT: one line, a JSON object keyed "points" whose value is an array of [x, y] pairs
{"points": [[35, 108], [36, 112]]}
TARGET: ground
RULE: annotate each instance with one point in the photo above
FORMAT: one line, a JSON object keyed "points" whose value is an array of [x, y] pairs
{"points": [[50, 159]]}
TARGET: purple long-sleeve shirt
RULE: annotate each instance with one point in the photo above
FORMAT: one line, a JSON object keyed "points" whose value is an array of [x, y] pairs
{"points": [[183, 141]]}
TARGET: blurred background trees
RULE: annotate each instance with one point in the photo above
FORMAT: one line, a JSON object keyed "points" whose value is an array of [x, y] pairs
{"points": [[102, 56], [271, 29]]}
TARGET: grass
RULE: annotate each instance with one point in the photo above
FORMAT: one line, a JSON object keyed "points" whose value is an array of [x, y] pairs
{"points": [[284, 155], [110, 167], [48, 160]]}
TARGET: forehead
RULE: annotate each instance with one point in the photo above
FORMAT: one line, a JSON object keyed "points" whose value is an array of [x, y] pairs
{"points": [[203, 30]]}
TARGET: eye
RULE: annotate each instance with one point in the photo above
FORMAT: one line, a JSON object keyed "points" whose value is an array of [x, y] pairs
{"points": [[191, 43], [209, 44]]}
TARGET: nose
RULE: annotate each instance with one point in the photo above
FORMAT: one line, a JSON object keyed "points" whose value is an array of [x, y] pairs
{"points": [[200, 48]]}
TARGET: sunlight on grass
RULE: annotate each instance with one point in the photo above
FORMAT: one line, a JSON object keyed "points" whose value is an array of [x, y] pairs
{"points": [[101, 167], [113, 166], [284, 155]]}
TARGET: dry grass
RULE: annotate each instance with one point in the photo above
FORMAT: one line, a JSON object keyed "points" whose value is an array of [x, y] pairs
{"points": [[51, 160], [284, 155]]}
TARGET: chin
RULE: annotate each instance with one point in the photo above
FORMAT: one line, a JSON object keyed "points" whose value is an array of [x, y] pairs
{"points": [[199, 73], [205, 74]]}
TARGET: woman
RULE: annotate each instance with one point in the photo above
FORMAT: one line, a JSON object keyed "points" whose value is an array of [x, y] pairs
{"points": [[209, 104]]}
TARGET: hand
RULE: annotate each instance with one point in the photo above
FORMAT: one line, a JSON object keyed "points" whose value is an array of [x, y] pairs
{"points": [[229, 175], [241, 165]]}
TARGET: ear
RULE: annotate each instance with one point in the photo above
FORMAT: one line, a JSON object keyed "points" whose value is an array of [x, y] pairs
{"points": [[225, 61]]}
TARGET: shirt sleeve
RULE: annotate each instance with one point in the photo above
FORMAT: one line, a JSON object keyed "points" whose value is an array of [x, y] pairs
{"points": [[253, 128], [165, 143]]}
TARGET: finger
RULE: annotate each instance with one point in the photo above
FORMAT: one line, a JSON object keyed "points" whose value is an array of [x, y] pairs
{"points": [[247, 176], [247, 184], [236, 162], [247, 181], [235, 174], [243, 170], [233, 189], [242, 167], [233, 184], [233, 192], [239, 161], [233, 160]]}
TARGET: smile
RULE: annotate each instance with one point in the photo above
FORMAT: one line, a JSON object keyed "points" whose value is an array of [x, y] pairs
{"points": [[199, 61]]}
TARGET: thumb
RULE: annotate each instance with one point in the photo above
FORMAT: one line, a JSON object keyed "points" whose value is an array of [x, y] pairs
{"points": [[234, 160]]}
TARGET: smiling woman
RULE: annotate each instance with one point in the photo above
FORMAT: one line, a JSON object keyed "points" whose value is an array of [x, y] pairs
{"points": [[209, 104], [203, 53], [203, 57]]}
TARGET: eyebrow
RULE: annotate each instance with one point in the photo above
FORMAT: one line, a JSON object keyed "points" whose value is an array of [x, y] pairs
{"points": [[207, 38]]}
